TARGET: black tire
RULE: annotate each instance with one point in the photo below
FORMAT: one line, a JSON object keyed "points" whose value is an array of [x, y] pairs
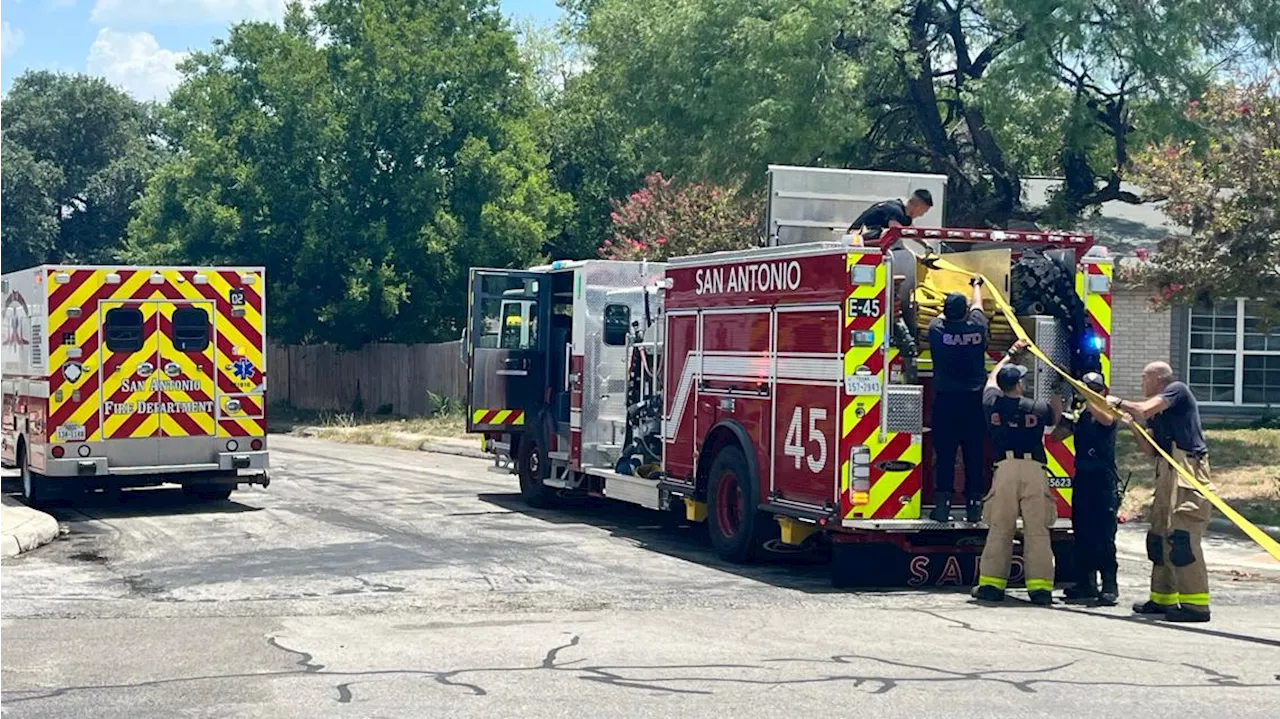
{"points": [[34, 487], [735, 524], [534, 466]]}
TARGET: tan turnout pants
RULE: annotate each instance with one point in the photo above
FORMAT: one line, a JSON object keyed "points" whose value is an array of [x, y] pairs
{"points": [[1179, 515], [1019, 488]]}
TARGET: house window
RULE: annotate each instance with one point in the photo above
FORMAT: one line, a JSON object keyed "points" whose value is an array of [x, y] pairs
{"points": [[1231, 358]]}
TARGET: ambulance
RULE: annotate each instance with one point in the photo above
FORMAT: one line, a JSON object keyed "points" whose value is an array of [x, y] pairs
{"points": [[135, 376]]}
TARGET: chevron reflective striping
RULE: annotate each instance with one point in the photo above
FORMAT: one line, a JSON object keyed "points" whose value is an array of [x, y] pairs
{"points": [[513, 417], [75, 312]]}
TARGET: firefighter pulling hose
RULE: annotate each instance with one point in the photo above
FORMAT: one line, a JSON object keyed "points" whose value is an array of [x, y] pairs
{"points": [[1185, 476]]}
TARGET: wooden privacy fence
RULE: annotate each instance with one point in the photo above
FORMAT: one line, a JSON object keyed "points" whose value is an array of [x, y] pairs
{"points": [[383, 378]]}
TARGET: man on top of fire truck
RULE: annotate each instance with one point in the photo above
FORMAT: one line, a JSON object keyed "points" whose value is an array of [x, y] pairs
{"points": [[1019, 487], [958, 343], [892, 213]]}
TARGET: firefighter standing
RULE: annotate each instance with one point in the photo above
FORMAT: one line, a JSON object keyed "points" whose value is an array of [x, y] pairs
{"points": [[1179, 514], [1094, 500], [958, 345], [1020, 485]]}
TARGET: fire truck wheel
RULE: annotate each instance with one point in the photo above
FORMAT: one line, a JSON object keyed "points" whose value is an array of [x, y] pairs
{"points": [[534, 467], [733, 520], [34, 487]]}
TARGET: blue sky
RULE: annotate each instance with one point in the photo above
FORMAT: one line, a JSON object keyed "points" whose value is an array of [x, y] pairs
{"points": [[135, 43]]}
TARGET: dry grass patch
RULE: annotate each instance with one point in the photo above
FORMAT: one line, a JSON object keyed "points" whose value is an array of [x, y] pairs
{"points": [[1245, 464]]}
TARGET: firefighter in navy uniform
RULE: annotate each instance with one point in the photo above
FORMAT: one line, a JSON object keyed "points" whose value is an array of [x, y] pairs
{"points": [[1020, 486], [1095, 500], [1179, 513], [958, 345]]}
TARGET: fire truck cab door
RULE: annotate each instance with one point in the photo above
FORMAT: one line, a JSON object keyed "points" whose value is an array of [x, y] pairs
{"points": [[507, 348]]}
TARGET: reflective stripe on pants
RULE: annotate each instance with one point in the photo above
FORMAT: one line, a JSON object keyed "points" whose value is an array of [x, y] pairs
{"points": [[1019, 488], [1179, 516]]}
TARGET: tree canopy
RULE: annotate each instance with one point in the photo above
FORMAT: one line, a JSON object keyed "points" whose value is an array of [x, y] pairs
{"points": [[367, 171], [370, 152], [1226, 193], [77, 153], [983, 91]]}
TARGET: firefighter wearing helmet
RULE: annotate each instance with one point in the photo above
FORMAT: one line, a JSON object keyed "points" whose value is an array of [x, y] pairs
{"points": [[1094, 499], [1020, 486]]}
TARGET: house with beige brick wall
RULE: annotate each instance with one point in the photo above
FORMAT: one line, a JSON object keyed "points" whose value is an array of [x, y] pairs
{"points": [[1221, 350]]}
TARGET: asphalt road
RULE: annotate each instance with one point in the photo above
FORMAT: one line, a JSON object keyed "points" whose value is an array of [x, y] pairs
{"points": [[375, 583]]}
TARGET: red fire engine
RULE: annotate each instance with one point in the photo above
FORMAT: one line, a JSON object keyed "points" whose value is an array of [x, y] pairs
{"points": [[765, 391]]}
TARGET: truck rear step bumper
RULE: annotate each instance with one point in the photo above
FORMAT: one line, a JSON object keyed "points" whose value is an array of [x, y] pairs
{"points": [[925, 525], [253, 462]]}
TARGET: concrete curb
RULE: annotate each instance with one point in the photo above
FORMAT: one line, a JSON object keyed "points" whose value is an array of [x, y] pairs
{"points": [[25, 528], [1226, 526], [453, 448]]}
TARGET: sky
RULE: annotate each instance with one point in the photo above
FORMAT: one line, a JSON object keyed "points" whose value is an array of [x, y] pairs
{"points": [[136, 43]]}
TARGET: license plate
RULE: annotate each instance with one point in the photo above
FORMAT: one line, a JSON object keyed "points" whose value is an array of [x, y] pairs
{"points": [[859, 384], [864, 307], [70, 433]]}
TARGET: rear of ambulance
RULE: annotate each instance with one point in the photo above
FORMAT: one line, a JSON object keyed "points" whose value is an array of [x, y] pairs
{"points": [[158, 375]]}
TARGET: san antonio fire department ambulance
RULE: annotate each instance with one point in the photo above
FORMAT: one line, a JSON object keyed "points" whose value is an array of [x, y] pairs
{"points": [[759, 391], [135, 376]]}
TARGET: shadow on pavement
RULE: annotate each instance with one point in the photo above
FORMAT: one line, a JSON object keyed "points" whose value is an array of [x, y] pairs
{"points": [[142, 502], [668, 533]]}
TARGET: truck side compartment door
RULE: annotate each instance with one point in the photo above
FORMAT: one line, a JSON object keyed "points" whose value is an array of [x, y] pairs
{"points": [[507, 348]]}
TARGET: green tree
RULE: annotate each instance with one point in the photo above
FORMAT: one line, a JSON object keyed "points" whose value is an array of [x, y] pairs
{"points": [[1226, 193], [983, 91], [368, 172], [28, 193], [77, 153]]}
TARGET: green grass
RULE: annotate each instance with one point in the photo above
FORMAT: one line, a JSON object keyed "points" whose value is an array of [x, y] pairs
{"points": [[368, 429], [1244, 465]]}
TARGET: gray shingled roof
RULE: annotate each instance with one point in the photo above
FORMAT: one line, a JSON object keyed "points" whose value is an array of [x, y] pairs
{"points": [[1119, 226]]}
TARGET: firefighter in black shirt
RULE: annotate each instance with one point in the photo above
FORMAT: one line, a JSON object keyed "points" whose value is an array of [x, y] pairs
{"points": [[892, 213], [958, 346], [1094, 500], [1020, 486], [1179, 513]]}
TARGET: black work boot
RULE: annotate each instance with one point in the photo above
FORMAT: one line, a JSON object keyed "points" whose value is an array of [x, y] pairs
{"points": [[941, 508], [1150, 607], [987, 593], [1184, 614], [973, 511], [1081, 592], [1041, 597], [1110, 590]]}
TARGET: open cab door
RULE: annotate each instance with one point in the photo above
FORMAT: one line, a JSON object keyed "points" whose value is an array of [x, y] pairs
{"points": [[506, 348]]}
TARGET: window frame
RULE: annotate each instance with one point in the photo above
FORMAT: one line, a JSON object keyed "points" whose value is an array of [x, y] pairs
{"points": [[208, 328], [1238, 353], [107, 324]]}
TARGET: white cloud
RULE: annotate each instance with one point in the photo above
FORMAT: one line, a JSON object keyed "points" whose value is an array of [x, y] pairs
{"points": [[193, 12], [136, 62], [11, 38]]}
